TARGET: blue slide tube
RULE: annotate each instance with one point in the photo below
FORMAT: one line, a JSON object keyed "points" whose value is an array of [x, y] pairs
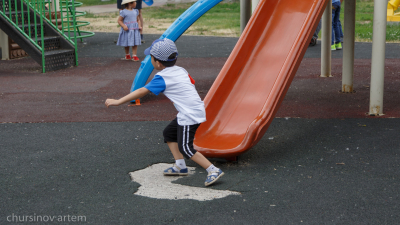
{"points": [[173, 32]]}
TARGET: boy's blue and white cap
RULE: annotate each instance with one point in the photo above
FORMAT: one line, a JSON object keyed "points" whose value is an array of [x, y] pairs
{"points": [[161, 49]]}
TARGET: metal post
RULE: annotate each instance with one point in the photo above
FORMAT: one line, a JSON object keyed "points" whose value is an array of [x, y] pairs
{"points": [[326, 38], [4, 46], [348, 46], [254, 4], [245, 13], [378, 58]]}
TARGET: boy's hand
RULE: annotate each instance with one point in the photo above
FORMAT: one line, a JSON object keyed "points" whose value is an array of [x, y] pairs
{"points": [[140, 28], [111, 102]]}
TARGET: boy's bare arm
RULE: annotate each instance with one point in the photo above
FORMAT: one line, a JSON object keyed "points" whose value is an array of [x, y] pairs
{"points": [[127, 98]]}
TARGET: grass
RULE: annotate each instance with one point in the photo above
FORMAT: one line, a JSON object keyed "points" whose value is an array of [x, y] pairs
{"points": [[226, 17], [364, 18], [364, 23]]}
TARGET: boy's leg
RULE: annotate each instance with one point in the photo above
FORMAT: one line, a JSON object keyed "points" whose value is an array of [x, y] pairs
{"points": [[173, 140], [185, 144], [170, 137], [173, 146], [179, 168], [180, 141], [214, 173], [201, 160]]}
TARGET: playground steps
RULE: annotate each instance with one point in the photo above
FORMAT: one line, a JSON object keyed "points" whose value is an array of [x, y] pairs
{"points": [[59, 53], [15, 51]]}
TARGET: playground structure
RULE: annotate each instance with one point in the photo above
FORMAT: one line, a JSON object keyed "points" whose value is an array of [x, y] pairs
{"points": [[392, 16], [173, 33], [248, 91], [253, 82], [47, 31], [258, 43]]}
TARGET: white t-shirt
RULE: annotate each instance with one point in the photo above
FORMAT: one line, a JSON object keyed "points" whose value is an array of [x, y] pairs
{"points": [[176, 83]]}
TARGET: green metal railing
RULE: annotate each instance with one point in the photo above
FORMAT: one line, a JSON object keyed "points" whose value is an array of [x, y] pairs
{"points": [[70, 10], [13, 11]]}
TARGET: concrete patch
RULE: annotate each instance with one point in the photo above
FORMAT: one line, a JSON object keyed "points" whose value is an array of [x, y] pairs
{"points": [[156, 185]]}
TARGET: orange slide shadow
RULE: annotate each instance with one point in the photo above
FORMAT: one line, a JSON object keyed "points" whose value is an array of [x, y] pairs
{"points": [[248, 91]]}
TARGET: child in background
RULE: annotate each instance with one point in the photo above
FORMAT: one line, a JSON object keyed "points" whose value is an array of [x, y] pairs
{"points": [[340, 25], [336, 42], [130, 25], [314, 38], [139, 7], [178, 86]]}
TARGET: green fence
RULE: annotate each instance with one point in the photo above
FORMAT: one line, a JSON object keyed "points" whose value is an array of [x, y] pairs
{"points": [[19, 14], [69, 9]]}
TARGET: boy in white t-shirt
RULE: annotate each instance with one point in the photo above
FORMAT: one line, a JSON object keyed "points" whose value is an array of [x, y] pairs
{"points": [[176, 83]]}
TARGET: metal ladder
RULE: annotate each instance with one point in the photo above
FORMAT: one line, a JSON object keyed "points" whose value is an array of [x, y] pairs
{"points": [[25, 22]]}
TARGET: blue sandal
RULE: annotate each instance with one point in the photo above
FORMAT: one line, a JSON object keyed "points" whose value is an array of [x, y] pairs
{"points": [[213, 176], [172, 172]]}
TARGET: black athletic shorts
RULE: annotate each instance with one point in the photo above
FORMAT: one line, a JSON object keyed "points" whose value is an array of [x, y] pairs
{"points": [[184, 135]]}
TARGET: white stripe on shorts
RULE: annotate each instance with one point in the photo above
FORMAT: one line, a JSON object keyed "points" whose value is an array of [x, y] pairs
{"points": [[185, 138], [187, 142]]}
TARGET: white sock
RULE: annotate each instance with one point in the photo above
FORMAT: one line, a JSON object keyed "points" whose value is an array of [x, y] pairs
{"points": [[180, 163], [212, 168]]}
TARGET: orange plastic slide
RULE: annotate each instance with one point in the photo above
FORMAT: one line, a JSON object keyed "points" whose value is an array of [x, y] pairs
{"points": [[248, 91]]}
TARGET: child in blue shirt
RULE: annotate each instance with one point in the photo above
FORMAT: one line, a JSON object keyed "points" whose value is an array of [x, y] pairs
{"points": [[177, 85]]}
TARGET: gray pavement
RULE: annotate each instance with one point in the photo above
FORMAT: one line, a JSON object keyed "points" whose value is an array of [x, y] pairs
{"points": [[189, 46], [303, 171], [208, 46], [362, 50]]}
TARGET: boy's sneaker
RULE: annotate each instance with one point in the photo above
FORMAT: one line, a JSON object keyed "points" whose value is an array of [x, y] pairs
{"points": [[128, 57], [333, 47], [213, 176], [338, 46], [135, 58], [172, 172]]}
